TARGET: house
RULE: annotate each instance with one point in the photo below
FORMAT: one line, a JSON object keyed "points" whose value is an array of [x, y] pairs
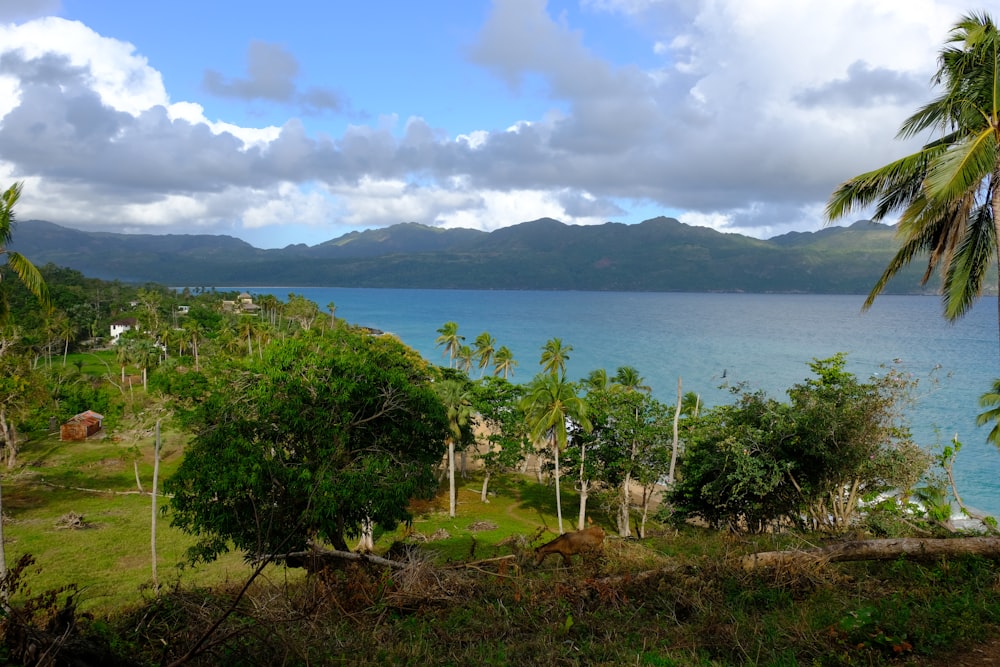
{"points": [[81, 426], [118, 327], [244, 304], [183, 310]]}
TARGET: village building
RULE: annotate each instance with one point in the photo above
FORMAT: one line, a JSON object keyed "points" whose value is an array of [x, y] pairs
{"points": [[81, 426], [118, 327]]}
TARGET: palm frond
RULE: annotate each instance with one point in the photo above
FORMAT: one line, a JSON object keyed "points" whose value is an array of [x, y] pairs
{"points": [[964, 280]]}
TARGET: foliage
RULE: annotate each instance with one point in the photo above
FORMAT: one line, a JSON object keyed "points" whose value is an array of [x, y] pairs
{"points": [[630, 442], [758, 461], [945, 192], [496, 401], [326, 432]]}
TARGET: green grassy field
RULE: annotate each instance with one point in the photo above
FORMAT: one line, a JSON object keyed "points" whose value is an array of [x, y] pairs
{"points": [[675, 598]]}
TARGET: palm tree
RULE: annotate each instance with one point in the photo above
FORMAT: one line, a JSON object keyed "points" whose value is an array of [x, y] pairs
{"points": [[549, 405], [948, 192], [32, 279], [485, 350], [991, 400], [457, 400], [554, 357], [332, 307], [451, 341], [628, 379], [597, 380], [504, 363], [464, 358], [22, 268]]}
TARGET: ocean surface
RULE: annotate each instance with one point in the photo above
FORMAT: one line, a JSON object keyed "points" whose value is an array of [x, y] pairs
{"points": [[713, 341]]}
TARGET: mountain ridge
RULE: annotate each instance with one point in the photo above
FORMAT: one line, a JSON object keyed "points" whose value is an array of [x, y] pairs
{"points": [[659, 254]]}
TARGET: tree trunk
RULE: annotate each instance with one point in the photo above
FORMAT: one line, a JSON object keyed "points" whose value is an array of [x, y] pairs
{"points": [[451, 478], [555, 452], [367, 542], [584, 490], [888, 549], [152, 532], [486, 483], [624, 505], [676, 444], [8, 434], [4, 588]]}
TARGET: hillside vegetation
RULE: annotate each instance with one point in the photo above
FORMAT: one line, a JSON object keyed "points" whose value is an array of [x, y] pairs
{"points": [[661, 254]]}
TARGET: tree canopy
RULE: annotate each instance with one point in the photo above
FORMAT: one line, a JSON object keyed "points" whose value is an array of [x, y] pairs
{"points": [[326, 432]]}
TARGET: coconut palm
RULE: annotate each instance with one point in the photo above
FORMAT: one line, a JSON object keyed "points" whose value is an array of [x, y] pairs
{"points": [[464, 358], [597, 380], [451, 340], [948, 192], [22, 268], [554, 357], [485, 350], [628, 379], [504, 363], [457, 400], [550, 404], [32, 279]]}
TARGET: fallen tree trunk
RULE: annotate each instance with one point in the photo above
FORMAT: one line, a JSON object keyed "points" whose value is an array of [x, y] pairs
{"points": [[887, 549], [316, 560]]}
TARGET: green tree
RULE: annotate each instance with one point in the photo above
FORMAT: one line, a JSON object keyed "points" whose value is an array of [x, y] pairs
{"points": [[504, 363], [838, 441], [21, 266], [464, 359], [496, 401], [457, 399], [322, 434], [550, 405], [449, 338], [554, 357], [629, 443], [991, 400], [948, 192], [485, 350]]}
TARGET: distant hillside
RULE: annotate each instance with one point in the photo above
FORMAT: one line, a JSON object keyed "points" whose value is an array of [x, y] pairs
{"points": [[661, 254]]}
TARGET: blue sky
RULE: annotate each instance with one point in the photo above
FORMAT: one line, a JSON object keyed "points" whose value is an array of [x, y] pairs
{"points": [[302, 121]]}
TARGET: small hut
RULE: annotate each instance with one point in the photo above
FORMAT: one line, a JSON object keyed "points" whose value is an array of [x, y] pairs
{"points": [[81, 426]]}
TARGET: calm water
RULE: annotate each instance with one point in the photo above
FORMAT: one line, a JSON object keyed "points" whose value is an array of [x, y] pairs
{"points": [[712, 341]]}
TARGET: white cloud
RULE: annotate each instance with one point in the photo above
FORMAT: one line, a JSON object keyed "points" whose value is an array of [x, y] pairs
{"points": [[754, 112]]}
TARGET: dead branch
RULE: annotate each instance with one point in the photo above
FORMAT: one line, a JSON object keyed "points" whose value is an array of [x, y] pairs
{"points": [[885, 549]]}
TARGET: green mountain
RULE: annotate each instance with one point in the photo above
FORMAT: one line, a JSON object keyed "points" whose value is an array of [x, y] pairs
{"points": [[661, 254]]}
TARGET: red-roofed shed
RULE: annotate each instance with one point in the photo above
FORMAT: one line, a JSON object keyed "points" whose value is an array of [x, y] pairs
{"points": [[81, 426]]}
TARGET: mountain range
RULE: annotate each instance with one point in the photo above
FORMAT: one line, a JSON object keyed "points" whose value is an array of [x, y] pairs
{"points": [[661, 254]]}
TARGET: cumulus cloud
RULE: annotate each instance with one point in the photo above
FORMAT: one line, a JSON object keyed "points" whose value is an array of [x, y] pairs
{"points": [[271, 74], [751, 112]]}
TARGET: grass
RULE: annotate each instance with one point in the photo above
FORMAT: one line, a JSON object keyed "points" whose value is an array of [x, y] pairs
{"points": [[675, 598]]}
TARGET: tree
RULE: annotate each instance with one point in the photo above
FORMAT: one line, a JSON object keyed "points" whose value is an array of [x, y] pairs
{"points": [[554, 357], [496, 402], [449, 337], [464, 359], [991, 401], [485, 350], [759, 461], [504, 363], [22, 268], [301, 311], [628, 443], [457, 400], [549, 405], [948, 192], [327, 431], [32, 279]]}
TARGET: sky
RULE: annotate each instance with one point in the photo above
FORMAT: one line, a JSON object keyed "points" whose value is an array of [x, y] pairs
{"points": [[306, 120]]}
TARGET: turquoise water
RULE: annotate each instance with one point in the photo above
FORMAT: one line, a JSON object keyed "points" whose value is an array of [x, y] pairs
{"points": [[712, 341]]}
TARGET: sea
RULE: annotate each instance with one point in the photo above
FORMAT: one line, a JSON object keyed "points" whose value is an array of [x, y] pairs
{"points": [[711, 343]]}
